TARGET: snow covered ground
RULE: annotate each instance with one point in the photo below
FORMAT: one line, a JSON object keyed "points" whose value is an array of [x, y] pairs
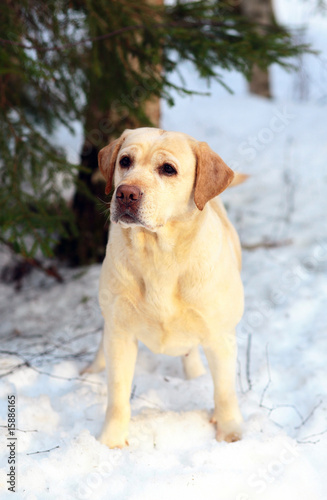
{"points": [[54, 329], [49, 331]]}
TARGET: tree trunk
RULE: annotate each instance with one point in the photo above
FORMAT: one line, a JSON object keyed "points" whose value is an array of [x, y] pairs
{"points": [[89, 245], [259, 12], [260, 82]]}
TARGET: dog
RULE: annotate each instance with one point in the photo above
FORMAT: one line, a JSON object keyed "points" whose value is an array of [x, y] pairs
{"points": [[171, 274]]}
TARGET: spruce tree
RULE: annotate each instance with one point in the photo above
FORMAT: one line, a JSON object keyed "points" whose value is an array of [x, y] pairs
{"points": [[99, 62]]}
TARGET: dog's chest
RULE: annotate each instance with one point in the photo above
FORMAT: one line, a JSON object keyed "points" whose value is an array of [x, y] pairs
{"points": [[165, 315], [160, 294], [167, 323]]}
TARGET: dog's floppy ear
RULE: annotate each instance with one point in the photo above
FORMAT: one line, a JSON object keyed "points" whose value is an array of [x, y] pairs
{"points": [[107, 159], [212, 175]]}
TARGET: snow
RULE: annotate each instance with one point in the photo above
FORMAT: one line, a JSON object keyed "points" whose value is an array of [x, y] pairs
{"points": [[52, 330]]}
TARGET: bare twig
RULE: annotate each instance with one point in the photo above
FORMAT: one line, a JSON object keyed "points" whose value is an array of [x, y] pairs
{"points": [[44, 451], [304, 421], [75, 355], [69, 379], [267, 244], [19, 430], [288, 182], [248, 361], [304, 441], [50, 350], [287, 406], [14, 369], [133, 392], [11, 353], [149, 402], [49, 271], [268, 383], [239, 376]]}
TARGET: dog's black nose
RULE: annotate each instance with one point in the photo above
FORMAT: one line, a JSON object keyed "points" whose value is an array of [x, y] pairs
{"points": [[128, 195]]}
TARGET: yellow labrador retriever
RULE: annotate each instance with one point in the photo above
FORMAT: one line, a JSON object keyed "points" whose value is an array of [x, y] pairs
{"points": [[171, 276]]}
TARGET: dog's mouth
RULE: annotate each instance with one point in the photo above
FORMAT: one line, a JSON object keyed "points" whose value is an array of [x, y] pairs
{"points": [[127, 217]]}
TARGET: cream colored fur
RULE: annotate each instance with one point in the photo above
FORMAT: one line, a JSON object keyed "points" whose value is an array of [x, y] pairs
{"points": [[171, 281]]}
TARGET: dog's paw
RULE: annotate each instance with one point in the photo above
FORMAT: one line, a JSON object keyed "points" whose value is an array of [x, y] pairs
{"points": [[113, 443], [114, 434], [229, 431]]}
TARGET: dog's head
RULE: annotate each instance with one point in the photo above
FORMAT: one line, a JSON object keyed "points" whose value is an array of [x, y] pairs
{"points": [[160, 176]]}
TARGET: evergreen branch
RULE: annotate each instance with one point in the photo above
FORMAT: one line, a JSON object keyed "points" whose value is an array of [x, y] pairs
{"points": [[53, 71], [49, 271], [186, 25]]}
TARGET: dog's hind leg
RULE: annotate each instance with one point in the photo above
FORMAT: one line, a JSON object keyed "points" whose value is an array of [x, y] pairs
{"points": [[192, 363], [99, 362]]}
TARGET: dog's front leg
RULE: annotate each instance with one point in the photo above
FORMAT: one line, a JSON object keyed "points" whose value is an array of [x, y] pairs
{"points": [[120, 351], [221, 356]]}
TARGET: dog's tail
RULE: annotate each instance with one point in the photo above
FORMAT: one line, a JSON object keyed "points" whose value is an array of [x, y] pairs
{"points": [[238, 179]]}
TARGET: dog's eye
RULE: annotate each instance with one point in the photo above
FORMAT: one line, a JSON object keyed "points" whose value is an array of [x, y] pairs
{"points": [[167, 169], [125, 162]]}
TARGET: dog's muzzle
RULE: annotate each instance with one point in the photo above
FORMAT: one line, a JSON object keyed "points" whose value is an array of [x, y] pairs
{"points": [[128, 200]]}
